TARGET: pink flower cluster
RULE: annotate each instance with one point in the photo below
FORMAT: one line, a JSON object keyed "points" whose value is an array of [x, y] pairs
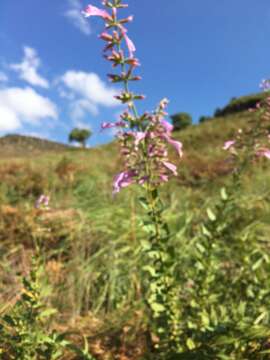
{"points": [[144, 139], [256, 138]]}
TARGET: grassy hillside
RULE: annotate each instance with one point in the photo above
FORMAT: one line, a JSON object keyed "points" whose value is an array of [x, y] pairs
{"points": [[91, 240], [19, 145]]}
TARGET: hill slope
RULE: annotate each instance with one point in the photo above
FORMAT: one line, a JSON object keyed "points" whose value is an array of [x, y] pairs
{"points": [[12, 145]]}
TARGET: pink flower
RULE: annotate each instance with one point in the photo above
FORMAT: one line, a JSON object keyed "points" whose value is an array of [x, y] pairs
{"points": [[106, 36], [43, 201], [106, 125], [94, 11], [139, 136], [263, 153], [228, 144], [122, 180], [167, 126], [177, 145], [130, 45], [170, 166], [164, 178]]}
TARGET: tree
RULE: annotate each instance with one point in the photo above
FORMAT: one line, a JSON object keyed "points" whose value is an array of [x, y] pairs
{"points": [[80, 136], [181, 121]]}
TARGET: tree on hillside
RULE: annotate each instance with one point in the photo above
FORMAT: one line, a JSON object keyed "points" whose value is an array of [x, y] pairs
{"points": [[80, 136], [181, 121]]}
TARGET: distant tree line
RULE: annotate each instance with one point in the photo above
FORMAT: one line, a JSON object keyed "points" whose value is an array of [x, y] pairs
{"points": [[182, 120], [243, 103]]}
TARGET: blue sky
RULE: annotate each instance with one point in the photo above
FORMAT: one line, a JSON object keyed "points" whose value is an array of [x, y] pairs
{"points": [[197, 53]]}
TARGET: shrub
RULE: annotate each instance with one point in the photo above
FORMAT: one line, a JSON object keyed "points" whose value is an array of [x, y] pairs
{"points": [[181, 121], [240, 104]]}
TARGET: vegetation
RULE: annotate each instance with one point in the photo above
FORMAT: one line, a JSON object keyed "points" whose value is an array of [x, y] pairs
{"points": [[174, 270], [90, 245], [181, 121], [80, 136], [203, 119], [240, 104]]}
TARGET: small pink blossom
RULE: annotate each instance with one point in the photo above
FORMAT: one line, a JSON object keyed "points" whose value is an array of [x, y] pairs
{"points": [[139, 136], [263, 153], [94, 11], [106, 36], [164, 178], [167, 126], [122, 180], [177, 145], [171, 167], [228, 144], [109, 125], [43, 201], [130, 45]]}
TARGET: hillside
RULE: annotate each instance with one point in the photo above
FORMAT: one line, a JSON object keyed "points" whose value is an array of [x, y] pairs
{"points": [[19, 145], [91, 242]]}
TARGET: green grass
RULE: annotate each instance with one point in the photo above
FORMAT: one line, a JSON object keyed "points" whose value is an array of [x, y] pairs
{"points": [[91, 240]]}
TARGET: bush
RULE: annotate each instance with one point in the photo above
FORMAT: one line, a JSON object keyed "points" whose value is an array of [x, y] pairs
{"points": [[181, 121], [240, 104]]}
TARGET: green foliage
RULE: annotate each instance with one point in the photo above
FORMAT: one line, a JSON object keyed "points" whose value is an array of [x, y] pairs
{"points": [[100, 255], [160, 288], [24, 332], [80, 136], [241, 104], [204, 119], [181, 121], [224, 300]]}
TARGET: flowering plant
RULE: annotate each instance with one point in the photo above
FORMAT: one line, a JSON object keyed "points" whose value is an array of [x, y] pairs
{"points": [[144, 141], [253, 142], [143, 138]]}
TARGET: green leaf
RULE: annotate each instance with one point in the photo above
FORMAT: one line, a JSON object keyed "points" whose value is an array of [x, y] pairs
{"points": [[211, 215], [151, 270], [144, 203], [190, 344], [47, 313], [257, 264], [206, 232], [157, 308], [223, 193]]}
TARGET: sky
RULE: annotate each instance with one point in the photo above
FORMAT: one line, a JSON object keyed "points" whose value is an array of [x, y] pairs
{"points": [[198, 54]]}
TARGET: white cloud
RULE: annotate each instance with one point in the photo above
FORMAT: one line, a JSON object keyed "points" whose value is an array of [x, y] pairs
{"points": [[19, 106], [90, 87], [81, 107], [27, 69], [88, 91], [73, 13], [3, 77], [8, 119], [82, 125]]}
